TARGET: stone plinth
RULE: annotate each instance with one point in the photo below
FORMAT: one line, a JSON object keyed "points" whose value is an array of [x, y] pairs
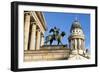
{"points": [[45, 54], [54, 47]]}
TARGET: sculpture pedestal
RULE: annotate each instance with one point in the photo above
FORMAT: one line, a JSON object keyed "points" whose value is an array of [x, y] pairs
{"points": [[46, 54]]}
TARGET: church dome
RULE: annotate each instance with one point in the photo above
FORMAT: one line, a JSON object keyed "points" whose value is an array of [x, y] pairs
{"points": [[76, 24]]}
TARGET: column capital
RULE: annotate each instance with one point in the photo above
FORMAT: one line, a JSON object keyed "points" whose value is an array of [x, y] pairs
{"points": [[33, 27], [27, 13], [33, 23], [38, 30], [42, 35]]}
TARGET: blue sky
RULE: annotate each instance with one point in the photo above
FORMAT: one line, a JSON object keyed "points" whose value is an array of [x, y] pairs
{"points": [[64, 22]]}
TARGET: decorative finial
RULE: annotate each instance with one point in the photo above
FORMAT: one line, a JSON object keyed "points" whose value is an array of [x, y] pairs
{"points": [[76, 18]]}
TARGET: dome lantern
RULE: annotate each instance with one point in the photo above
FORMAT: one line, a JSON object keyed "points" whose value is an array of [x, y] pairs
{"points": [[75, 24]]}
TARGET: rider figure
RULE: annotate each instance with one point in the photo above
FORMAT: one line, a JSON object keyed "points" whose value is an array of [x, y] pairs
{"points": [[56, 32]]}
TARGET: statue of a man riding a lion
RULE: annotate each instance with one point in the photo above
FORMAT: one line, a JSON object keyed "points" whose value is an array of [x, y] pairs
{"points": [[56, 36]]}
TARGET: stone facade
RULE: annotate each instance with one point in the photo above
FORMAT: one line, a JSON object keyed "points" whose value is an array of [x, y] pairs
{"points": [[34, 28]]}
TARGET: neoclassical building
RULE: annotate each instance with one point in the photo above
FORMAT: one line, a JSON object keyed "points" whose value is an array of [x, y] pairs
{"points": [[34, 28], [76, 38]]}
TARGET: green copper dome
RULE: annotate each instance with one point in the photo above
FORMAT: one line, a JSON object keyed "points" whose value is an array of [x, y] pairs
{"points": [[76, 24]]}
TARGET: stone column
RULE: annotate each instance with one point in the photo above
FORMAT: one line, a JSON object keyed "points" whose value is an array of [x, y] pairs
{"points": [[33, 36], [26, 30], [79, 43], [75, 43], [38, 39], [71, 44], [42, 40], [83, 44]]}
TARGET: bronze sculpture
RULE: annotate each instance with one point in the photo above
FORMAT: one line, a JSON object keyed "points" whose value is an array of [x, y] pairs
{"points": [[55, 36]]}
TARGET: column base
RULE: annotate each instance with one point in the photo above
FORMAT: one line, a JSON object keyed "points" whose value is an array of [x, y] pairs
{"points": [[74, 52], [78, 51]]}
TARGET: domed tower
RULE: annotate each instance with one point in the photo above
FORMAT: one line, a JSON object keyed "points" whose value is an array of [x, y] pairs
{"points": [[76, 38]]}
